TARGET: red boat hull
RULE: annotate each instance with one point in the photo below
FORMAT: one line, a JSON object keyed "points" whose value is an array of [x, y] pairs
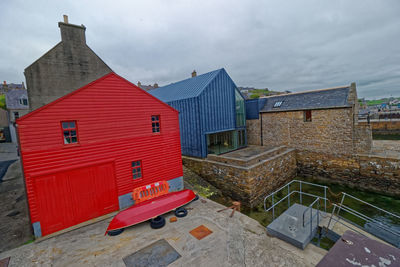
{"points": [[150, 209]]}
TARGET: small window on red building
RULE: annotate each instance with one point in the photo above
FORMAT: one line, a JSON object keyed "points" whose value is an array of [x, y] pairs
{"points": [[69, 132], [137, 169], [307, 115], [155, 123]]}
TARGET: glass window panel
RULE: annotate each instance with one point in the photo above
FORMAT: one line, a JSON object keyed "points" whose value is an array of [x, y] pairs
{"points": [[134, 176], [66, 133], [139, 175], [71, 124], [73, 133], [65, 125], [137, 163], [138, 169], [74, 140], [134, 171], [67, 140]]}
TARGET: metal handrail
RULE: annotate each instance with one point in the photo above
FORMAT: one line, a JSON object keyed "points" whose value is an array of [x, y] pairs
{"points": [[369, 204], [311, 217], [289, 193]]}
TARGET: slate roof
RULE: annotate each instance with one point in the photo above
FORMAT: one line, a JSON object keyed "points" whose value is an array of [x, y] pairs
{"points": [[188, 88], [13, 96], [317, 99]]}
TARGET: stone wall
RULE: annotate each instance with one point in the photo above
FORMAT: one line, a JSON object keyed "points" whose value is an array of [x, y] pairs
{"points": [[362, 138], [375, 173], [246, 184], [384, 127], [253, 132], [330, 130]]}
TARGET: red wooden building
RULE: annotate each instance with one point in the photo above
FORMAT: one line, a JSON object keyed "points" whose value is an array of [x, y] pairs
{"points": [[84, 153]]}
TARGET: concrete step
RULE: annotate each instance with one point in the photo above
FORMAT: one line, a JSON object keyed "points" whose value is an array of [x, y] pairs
{"points": [[289, 226], [247, 156]]}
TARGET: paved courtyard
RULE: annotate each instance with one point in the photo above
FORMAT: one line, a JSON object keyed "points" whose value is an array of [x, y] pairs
{"points": [[236, 241]]}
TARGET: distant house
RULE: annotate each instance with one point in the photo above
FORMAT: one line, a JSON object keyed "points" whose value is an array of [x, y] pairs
{"points": [[8, 86], [211, 113], [17, 106], [67, 66], [85, 152], [324, 120]]}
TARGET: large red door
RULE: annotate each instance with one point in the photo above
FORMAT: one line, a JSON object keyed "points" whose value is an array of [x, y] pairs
{"points": [[68, 198]]}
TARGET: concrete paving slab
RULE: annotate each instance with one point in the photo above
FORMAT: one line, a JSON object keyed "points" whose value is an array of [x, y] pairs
{"points": [[236, 241], [157, 254]]}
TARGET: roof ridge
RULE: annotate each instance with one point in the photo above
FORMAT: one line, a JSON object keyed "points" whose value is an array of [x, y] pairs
{"points": [[216, 71], [308, 91]]}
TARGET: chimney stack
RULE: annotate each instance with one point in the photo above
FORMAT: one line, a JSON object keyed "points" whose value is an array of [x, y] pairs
{"points": [[71, 33], [194, 74], [5, 83], [139, 84], [155, 85]]}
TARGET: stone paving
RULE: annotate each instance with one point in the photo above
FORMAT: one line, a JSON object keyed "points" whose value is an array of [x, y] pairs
{"points": [[236, 241]]}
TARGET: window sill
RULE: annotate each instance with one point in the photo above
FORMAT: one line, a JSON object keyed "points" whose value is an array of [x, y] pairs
{"points": [[71, 145]]}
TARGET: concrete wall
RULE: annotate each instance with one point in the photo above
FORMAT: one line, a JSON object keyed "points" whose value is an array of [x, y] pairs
{"points": [[247, 184], [384, 127], [69, 65]]}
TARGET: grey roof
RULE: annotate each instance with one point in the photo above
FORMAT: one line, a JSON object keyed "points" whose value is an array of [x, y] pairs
{"points": [[188, 88], [317, 99], [13, 99]]}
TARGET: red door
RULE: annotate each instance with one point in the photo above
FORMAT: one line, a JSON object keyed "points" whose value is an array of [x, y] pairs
{"points": [[68, 198]]}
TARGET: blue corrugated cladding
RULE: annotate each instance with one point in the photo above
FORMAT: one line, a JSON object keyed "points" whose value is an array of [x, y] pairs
{"points": [[253, 107], [189, 123], [217, 107], [211, 111]]}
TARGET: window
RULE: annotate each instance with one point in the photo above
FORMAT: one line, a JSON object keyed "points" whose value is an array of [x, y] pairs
{"points": [[23, 101], [16, 115], [69, 132], [155, 123], [278, 104], [240, 110], [307, 115], [137, 169]]}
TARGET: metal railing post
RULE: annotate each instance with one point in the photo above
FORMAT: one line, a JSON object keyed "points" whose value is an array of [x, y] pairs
{"points": [[288, 192], [301, 196], [341, 203], [325, 199], [311, 222], [273, 207], [333, 212]]}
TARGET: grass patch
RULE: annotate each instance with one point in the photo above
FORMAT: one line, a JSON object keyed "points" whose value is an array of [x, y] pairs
{"points": [[3, 101]]}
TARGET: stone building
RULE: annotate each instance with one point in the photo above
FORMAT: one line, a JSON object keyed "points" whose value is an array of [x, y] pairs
{"points": [[320, 120], [67, 66], [17, 106]]}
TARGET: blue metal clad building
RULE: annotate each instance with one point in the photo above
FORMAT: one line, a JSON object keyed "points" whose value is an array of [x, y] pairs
{"points": [[253, 107], [212, 115]]}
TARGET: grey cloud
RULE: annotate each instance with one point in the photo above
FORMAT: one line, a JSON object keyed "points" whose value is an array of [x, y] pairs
{"points": [[282, 45]]}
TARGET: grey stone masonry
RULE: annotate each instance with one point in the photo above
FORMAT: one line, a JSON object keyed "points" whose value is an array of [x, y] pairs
{"points": [[66, 67]]}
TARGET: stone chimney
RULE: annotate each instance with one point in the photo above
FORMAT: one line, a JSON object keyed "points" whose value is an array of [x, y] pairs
{"points": [[139, 84], [194, 74], [71, 33], [155, 85], [4, 83], [23, 85]]}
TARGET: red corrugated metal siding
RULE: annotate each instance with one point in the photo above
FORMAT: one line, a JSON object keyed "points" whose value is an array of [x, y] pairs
{"points": [[114, 123]]}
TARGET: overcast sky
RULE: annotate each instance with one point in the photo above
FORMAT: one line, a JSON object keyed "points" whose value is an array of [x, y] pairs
{"points": [[282, 45]]}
